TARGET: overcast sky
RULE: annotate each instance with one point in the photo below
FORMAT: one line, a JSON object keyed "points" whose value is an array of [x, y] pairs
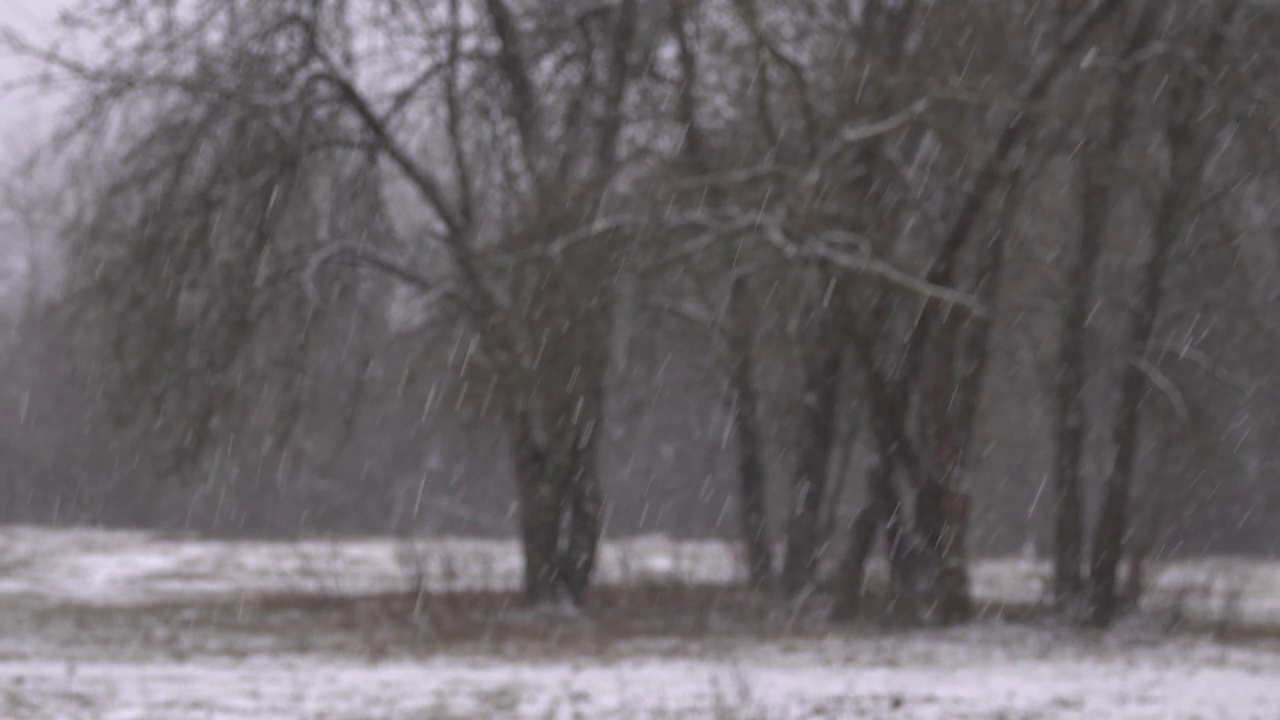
{"points": [[20, 127], [33, 20]]}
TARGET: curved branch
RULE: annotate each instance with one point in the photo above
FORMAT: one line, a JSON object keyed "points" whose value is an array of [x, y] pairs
{"points": [[1205, 362], [364, 256], [986, 179], [862, 262], [1166, 386]]}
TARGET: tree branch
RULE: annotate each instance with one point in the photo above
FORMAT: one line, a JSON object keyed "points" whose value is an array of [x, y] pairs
{"points": [[862, 262], [1166, 386], [364, 256]]}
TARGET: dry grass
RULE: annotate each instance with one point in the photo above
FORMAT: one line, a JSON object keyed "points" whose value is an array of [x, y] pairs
{"points": [[408, 626]]}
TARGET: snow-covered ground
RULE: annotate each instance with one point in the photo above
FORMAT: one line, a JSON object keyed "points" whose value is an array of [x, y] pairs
{"points": [[108, 567], [980, 673], [98, 624]]}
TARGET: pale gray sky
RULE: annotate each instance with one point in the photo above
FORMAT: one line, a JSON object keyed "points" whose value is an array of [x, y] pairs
{"points": [[33, 20], [22, 123], [30, 15]]}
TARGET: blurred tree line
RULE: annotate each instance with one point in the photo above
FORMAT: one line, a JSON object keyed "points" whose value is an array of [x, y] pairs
{"points": [[916, 278]]}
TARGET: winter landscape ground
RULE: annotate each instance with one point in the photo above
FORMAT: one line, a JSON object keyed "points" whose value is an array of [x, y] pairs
{"points": [[118, 625]]}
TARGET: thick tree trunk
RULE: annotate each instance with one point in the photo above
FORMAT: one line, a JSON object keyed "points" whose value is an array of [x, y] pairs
{"points": [[555, 430], [955, 603], [580, 423], [541, 502], [752, 494], [561, 509], [942, 505], [584, 514], [821, 390], [942, 515]]}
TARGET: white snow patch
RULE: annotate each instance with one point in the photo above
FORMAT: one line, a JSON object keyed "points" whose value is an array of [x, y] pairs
{"points": [[989, 670], [922, 676], [103, 567]]}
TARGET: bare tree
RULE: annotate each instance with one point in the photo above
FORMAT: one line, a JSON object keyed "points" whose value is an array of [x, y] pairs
{"points": [[514, 239], [282, 196], [1188, 147], [1098, 172]]}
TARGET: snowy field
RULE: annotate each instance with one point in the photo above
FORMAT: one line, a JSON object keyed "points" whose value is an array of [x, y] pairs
{"points": [[118, 625]]}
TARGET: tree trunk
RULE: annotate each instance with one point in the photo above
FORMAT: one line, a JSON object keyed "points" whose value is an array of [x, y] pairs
{"points": [[740, 328], [1069, 409], [541, 500], [1097, 169], [843, 450], [1113, 518], [901, 541], [560, 519], [1188, 155], [555, 440], [584, 508], [955, 603], [821, 390], [751, 471], [942, 505], [912, 561], [884, 510], [952, 397], [853, 567]]}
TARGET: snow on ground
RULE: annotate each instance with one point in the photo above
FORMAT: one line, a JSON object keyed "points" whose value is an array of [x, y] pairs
{"points": [[983, 672], [55, 663], [122, 567], [106, 567]]}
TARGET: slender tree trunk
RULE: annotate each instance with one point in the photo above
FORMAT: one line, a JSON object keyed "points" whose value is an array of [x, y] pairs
{"points": [[1096, 171], [751, 470], [740, 324], [1113, 517], [821, 390], [883, 510], [952, 397], [1069, 410], [1188, 156], [942, 503], [853, 567], [912, 568]]}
